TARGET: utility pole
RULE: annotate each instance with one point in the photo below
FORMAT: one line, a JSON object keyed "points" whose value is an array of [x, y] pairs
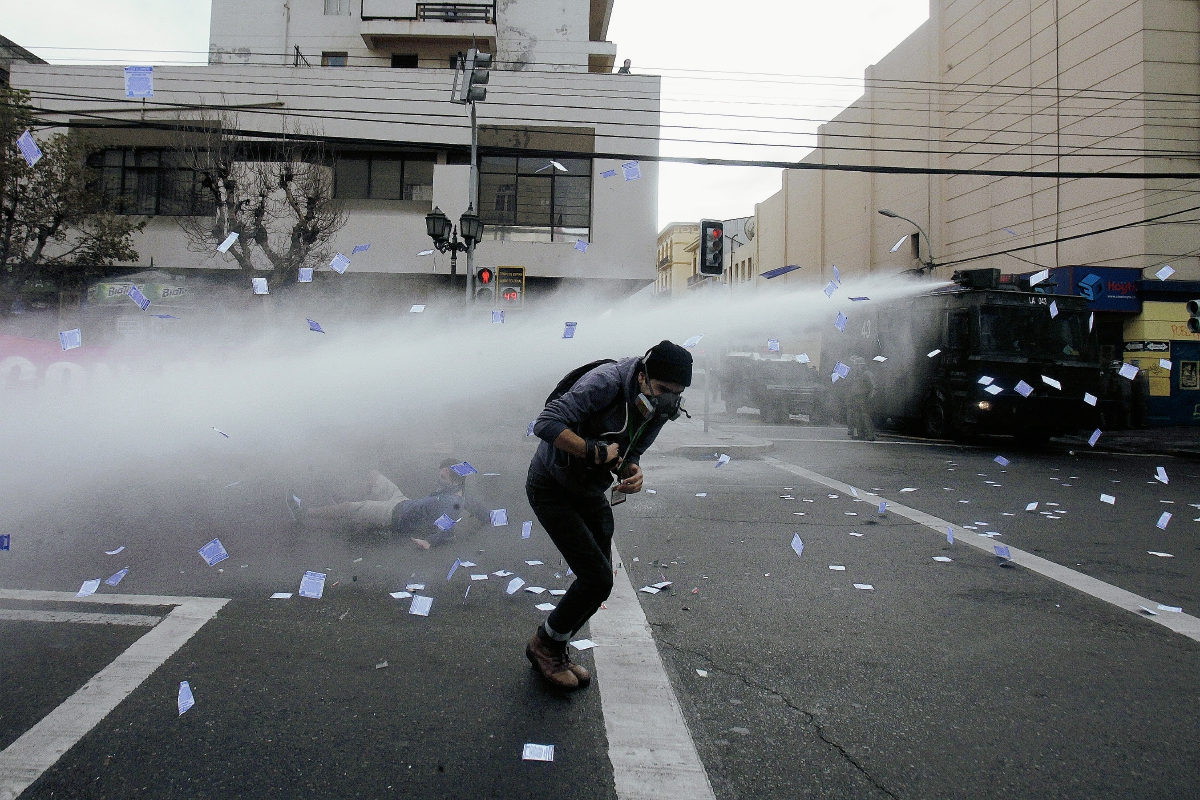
{"points": [[476, 72], [473, 192]]}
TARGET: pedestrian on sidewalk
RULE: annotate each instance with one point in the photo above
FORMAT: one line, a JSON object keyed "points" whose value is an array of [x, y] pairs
{"points": [[601, 423]]}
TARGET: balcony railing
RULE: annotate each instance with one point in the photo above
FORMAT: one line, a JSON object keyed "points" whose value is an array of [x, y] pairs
{"points": [[456, 12], [431, 12]]}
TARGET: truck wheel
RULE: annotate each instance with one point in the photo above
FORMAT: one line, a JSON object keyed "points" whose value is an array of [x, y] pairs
{"points": [[937, 418], [775, 413]]}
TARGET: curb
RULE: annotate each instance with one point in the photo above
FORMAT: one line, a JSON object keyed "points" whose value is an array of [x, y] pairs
{"points": [[706, 450]]}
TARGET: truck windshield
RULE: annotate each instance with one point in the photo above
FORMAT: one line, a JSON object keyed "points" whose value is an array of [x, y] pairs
{"points": [[1029, 332]]}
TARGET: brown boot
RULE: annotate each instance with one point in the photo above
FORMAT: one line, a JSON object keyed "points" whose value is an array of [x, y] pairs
{"points": [[581, 674], [550, 658]]}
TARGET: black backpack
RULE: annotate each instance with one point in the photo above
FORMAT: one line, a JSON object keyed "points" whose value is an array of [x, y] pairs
{"points": [[571, 378]]}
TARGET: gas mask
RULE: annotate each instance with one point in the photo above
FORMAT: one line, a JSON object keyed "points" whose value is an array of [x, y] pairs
{"points": [[664, 404]]}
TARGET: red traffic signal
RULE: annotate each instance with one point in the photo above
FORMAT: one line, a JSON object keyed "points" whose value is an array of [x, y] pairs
{"points": [[486, 276]]}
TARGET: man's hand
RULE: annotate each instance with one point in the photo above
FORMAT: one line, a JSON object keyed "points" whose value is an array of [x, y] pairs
{"points": [[631, 479], [610, 453]]}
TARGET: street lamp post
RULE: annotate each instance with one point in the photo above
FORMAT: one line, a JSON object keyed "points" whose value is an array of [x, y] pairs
{"points": [[927, 265], [445, 237]]}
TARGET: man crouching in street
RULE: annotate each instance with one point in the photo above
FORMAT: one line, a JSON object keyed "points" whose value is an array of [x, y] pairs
{"points": [[597, 422]]}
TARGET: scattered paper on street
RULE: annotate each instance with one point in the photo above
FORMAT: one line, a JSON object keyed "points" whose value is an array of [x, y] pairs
{"points": [[499, 517], [1159, 554], [312, 585], [88, 588], [544, 752], [185, 700], [1108, 498], [514, 585], [866, 586], [545, 606], [797, 544], [420, 605], [583, 644], [281, 596]]}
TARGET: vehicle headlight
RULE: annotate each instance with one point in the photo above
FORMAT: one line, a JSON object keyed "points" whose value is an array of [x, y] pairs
{"points": [[984, 405]]}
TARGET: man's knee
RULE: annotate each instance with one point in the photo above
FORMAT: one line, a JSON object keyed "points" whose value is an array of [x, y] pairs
{"points": [[598, 585]]}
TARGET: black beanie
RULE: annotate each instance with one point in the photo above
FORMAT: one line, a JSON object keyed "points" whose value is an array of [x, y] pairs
{"points": [[669, 362]]}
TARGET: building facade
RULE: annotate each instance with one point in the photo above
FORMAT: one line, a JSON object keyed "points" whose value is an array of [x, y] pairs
{"points": [[1029, 86], [1021, 86], [372, 80]]}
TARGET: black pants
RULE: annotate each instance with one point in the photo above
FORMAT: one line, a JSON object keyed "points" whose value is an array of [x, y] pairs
{"points": [[581, 527]]}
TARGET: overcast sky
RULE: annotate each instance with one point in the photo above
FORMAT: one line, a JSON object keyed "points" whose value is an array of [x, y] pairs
{"points": [[727, 65]]}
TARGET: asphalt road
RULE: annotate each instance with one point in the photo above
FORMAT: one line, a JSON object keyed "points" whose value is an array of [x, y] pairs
{"points": [[965, 678]]}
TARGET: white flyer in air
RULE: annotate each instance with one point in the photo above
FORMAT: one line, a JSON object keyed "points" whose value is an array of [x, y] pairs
{"points": [[139, 82]]}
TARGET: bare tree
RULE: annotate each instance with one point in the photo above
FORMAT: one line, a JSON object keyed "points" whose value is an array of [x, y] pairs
{"points": [[276, 195], [54, 221]]}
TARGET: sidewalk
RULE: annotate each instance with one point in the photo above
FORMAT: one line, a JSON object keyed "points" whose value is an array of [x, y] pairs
{"points": [[687, 438], [1182, 441]]}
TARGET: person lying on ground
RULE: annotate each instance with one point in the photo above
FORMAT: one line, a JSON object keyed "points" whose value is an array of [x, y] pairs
{"points": [[388, 510]]}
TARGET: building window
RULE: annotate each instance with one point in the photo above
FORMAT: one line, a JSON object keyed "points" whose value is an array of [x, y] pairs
{"points": [[333, 59], [150, 181], [404, 60], [337, 8], [531, 198], [384, 176]]}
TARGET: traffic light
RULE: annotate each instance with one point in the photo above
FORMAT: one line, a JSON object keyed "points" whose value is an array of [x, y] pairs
{"points": [[476, 72], [510, 286], [485, 283], [1193, 309], [712, 247]]}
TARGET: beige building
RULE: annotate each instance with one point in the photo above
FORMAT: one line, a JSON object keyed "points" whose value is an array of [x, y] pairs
{"points": [[677, 262], [373, 78], [1091, 86]]}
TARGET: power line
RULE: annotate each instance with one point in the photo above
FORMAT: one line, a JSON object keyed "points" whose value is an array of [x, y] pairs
{"points": [[1072, 238], [1028, 149], [913, 84], [628, 156]]}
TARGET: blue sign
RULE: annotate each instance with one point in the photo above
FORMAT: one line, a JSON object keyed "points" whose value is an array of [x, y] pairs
{"points": [[1105, 288]]}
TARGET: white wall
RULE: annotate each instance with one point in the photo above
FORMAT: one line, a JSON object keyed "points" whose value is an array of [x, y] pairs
{"points": [[357, 104]]}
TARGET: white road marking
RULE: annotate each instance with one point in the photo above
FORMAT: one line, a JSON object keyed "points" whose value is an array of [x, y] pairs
{"points": [[81, 617], [1184, 624], [24, 761], [652, 752]]}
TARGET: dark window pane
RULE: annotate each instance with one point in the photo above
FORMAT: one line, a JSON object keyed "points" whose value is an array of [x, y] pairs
{"points": [[333, 59], [385, 178], [497, 200], [576, 166], [147, 158], [351, 178], [500, 164], [418, 180], [533, 200], [404, 60], [147, 192], [530, 166], [572, 202]]}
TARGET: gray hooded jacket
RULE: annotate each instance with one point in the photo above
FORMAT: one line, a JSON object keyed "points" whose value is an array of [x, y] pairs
{"points": [[599, 406]]}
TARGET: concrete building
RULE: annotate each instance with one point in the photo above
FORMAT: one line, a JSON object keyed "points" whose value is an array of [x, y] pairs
{"points": [[10, 51], [1093, 86], [373, 79], [679, 256]]}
